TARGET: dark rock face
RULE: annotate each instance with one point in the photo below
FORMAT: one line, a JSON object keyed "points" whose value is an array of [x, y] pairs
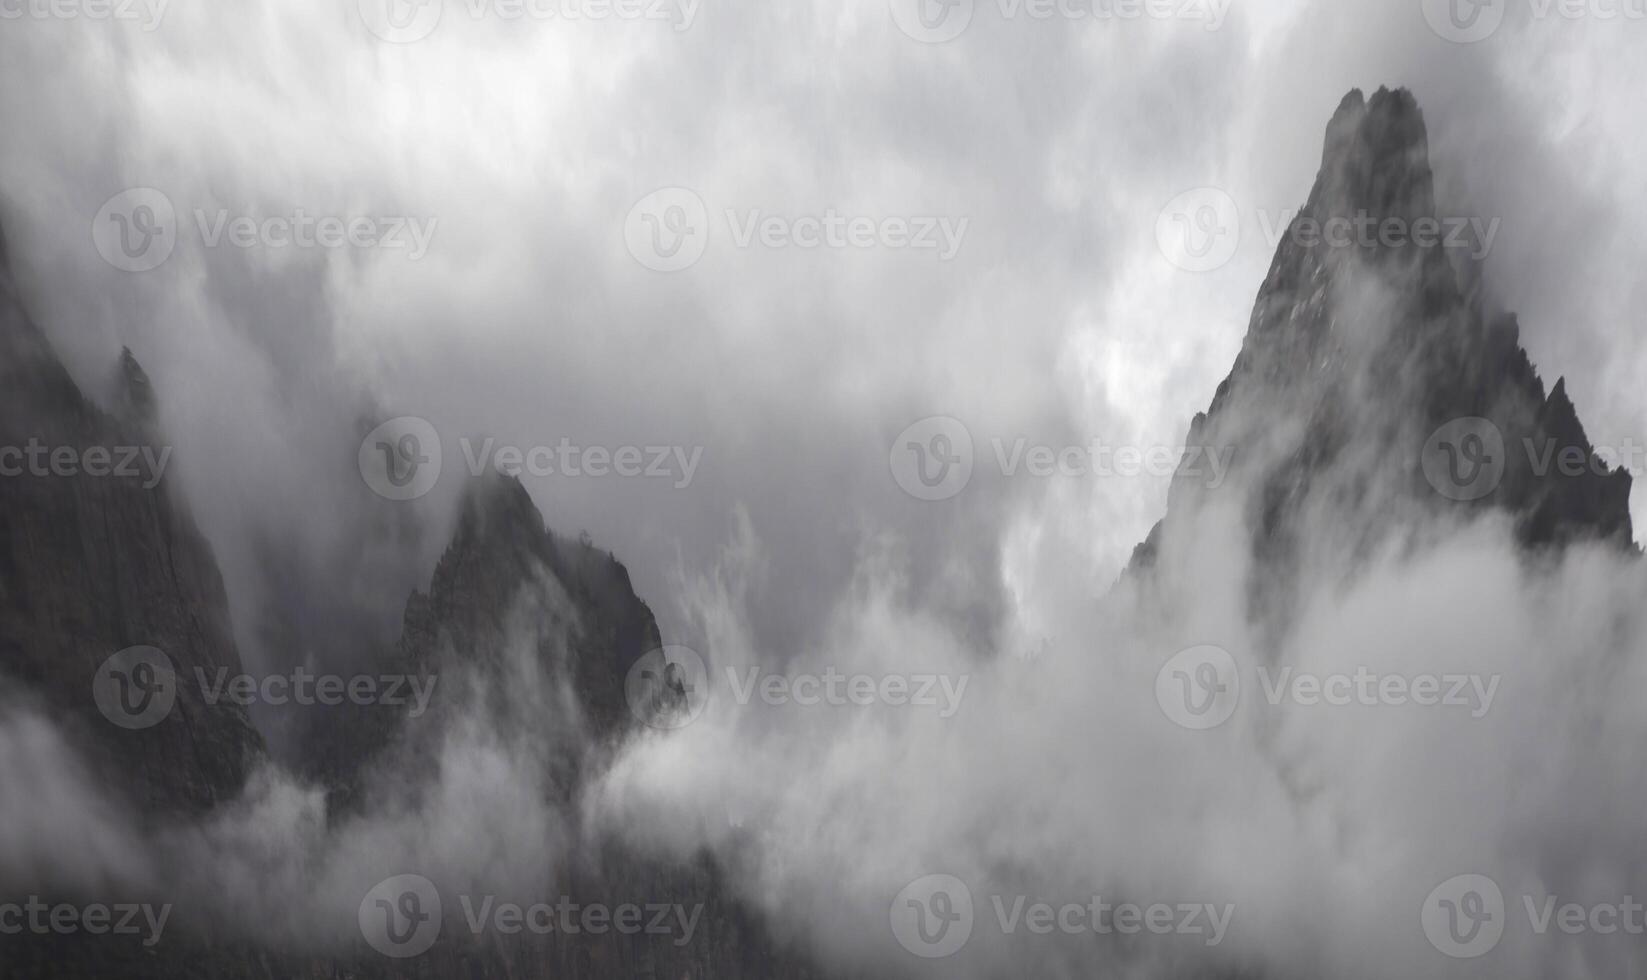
{"points": [[504, 582], [1356, 354], [526, 634], [536, 633], [93, 564]]}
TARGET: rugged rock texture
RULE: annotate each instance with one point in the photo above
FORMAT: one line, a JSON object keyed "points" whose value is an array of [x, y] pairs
{"points": [[528, 635], [90, 565], [1355, 355], [506, 586], [535, 634]]}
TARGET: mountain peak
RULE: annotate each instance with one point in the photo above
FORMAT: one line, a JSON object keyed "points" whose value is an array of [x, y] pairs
{"points": [[1360, 355], [1376, 160], [134, 392]]}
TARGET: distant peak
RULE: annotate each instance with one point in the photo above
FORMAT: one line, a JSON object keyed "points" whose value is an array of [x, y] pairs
{"points": [[135, 391], [495, 503]]}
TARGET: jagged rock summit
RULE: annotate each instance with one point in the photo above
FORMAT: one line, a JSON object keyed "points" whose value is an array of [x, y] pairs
{"points": [[1361, 351]]}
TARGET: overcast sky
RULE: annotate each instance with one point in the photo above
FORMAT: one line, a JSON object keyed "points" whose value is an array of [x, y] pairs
{"points": [[514, 275], [1047, 147]]}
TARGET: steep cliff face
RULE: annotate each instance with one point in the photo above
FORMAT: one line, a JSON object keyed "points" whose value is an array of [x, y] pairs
{"points": [[1373, 393], [526, 635], [97, 556], [529, 637], [534, 630]]}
